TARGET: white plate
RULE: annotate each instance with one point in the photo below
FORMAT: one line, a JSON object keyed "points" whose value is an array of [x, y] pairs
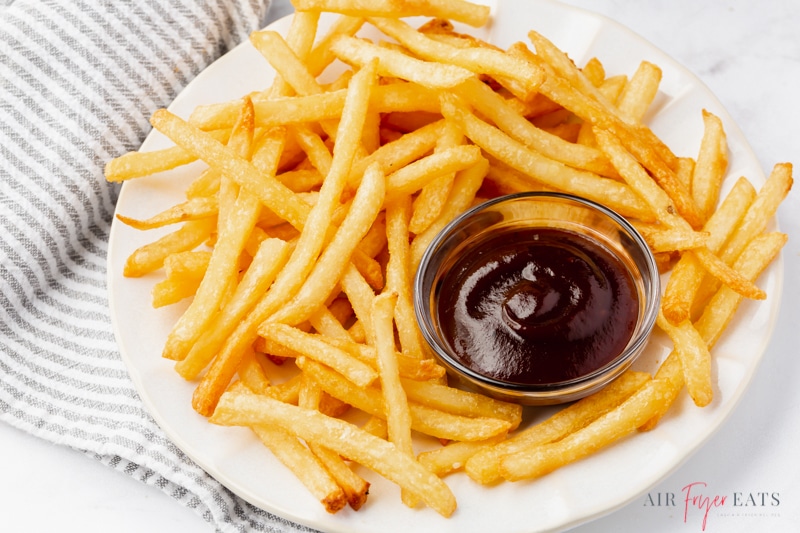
{"points": [[563, 499]]}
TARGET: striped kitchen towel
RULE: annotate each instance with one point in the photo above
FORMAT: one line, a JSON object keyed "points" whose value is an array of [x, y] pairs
{"points": [[78, 81]]}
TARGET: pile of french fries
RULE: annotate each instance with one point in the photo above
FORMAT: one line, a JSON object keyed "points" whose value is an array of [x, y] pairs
{"points": [[298, 244]]}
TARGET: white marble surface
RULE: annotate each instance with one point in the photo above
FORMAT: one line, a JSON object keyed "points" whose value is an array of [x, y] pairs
{"points": [[748, 53]]}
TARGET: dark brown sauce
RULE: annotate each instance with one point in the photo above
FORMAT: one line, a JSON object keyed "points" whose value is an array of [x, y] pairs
{"points": [[537, 306]]}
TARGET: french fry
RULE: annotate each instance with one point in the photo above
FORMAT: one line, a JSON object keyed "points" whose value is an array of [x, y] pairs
{"points": [[524, 77], [465, 186], [295, 456], [270, 258], [184, 271], [151, 256], [355, 487], [639, 92], [343, 438], [759, 213], [695, 359], [508, 119], [334, 259], [610, 427], [545, 170], [433, 422], [304, 344], [750, 263], [223, 265], [715, 318], [398, 416], [484, 466], [398, 276], [686, 276], [460, 10], [712, 162], [395, 63], [457, 401], [452, 457], [431, 199]]}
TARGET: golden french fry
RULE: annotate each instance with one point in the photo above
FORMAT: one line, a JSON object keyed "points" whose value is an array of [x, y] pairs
{"points": [[695, 359], [309, 346], [523, 77], [669, 380], [321, 55], [412, 177], [507, 118], [285, 62], [640, 181], [398, 276], [276, 196], [639, 92], [433, 422], [251, 373], [610, 427], [484, 466], [686, 276], [410, 367], [465, 186], [398, 416], [184, 272], [460, 10], [712, 162], [750, 263], [294, 455], [727, 275], [193, 209], [270, 258], [461, 402], [354, 486], [755, 221], [331, 264], [552, 173], [151, 256], [432, 75], [430, 201], [343, 438], [453, 456], [138, 164]]}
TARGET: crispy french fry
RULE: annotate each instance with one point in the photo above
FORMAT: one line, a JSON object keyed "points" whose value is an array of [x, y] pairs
{"points": [[524, 77], [433, 422], [639, 92], [309, 346], [484, 466], [712, 162], [270, 258], [193, 209], [344, 438], [151, 256], [610, 427], [395, 63], [460, 10], [545, 170], [695, 359], [331, 264], [686, 276]]}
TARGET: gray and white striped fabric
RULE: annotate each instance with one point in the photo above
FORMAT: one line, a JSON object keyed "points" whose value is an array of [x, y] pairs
{"points": [[78, 81]]}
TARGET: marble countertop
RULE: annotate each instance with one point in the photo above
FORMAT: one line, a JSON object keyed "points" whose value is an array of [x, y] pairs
{"points": [[748, 53]]}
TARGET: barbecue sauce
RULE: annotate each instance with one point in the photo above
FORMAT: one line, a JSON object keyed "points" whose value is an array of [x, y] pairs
{"points": [[537, 306]]}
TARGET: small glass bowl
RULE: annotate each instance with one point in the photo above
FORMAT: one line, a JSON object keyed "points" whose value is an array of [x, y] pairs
{"points": [[546, 210]]}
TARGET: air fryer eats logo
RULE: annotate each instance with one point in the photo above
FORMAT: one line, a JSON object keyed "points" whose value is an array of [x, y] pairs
{"points": [[700, 504]]}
